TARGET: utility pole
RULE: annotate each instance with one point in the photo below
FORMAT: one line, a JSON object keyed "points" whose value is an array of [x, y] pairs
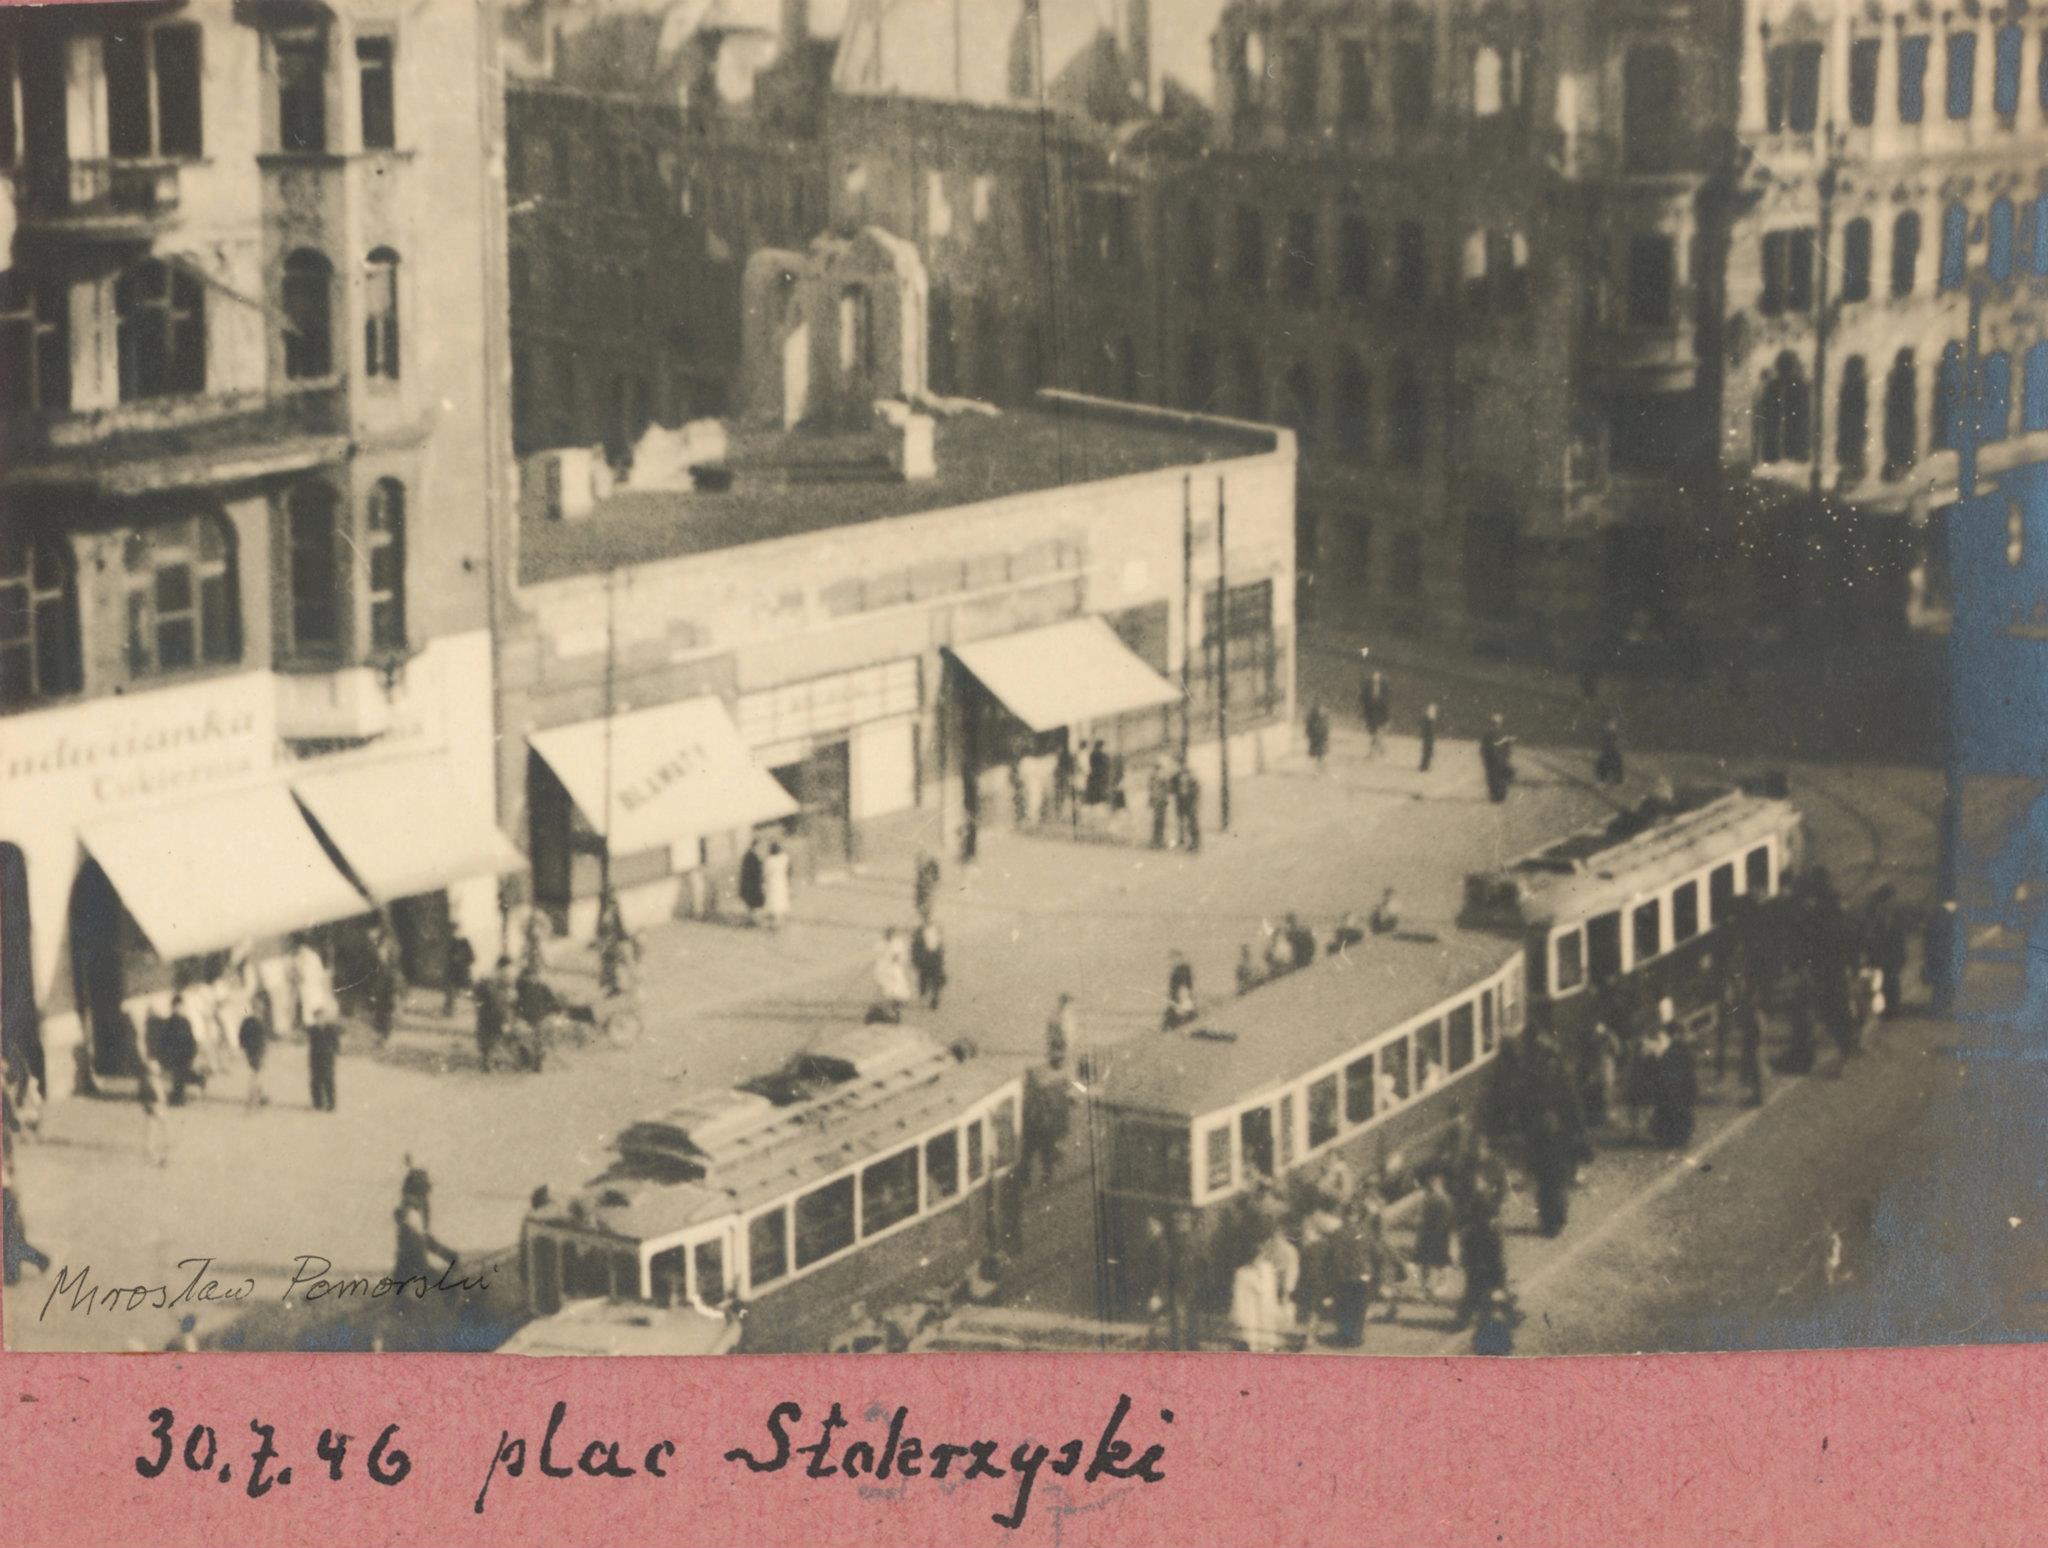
{"points": [[1187, 609], [611, 685], [1222, 661]]}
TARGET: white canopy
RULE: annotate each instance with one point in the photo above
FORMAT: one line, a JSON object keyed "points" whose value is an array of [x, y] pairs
{"points": [[202, 876], [1066, 674], [670, 773], [405, 826]]}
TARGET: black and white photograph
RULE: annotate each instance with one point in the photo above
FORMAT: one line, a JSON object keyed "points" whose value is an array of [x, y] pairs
{"points": [[876, 676]]}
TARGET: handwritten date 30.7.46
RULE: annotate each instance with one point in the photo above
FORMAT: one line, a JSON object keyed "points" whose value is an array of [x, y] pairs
{"points": [[385, 1463]]}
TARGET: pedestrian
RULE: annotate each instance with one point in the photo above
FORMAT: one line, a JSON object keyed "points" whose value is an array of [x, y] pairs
{"points": [[1498, 1319], [323, 1044], [1047, 1118], [536, 957], [496, 997], [1386, 914], [1159, 795], [925, 882], [1607, 767], [892, 978], [1484, 1255], [1318, 734], [180, 1049], [928, 958], [1551, 1166], [460, 974], [1375, 707], [1887, 946], [417, 1246], [753, 881], [1180, 993], [775, 886], [1749, 1058], [1187, 806], [1349, 933], [1062, 779], [1495, 761], [156, 1130], [1255, 1305], [1096, 792], [1279, 953], [1433, 1233], [254, 1036], [1020, 795], [1428, 735], [1301, 941], [15, 1247], [384, 980], [1061, 1031], [1249, 976], [1675, 1082], [1604, 1086]]}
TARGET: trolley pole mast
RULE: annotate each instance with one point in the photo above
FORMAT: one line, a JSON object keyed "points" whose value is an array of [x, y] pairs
{"points": [[1222, 662], [1187, 609], [611, 690]]}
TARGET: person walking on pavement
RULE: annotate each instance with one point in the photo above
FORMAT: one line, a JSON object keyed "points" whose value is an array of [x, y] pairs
{"points": [[1676, 1083], [319, 1019], [1187, 806], [495, 998], [892, 978], [254, 1037], [1062, 1031], [460, 976], [1887, 946], [1495, 760], [1376, 705], [384, 980], [753, 881], [323, 1046], [180, 1049], [1180, 993], [1159, 796], [417, 1246], [928, 958], [156, 1129], [1749, 1057], [1046, 1119], [1607, 767], [536, 958], [1428, 736], [1063, 779], [1433, 1233], [775, 886], [1552, 1166], [924, 889], [1385, 918], [1483, 1253], [1318, 729]]}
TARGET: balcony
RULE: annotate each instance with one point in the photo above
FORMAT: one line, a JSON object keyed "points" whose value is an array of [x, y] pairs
{"points": [[175, 443], [97, 201]]}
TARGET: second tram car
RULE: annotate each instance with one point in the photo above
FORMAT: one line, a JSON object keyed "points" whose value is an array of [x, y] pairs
{"points": [[873, 1166], [1357, 1055], [1625, 913]]}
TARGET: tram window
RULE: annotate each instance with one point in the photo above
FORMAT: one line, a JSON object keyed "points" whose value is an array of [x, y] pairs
{"points": [[1685, 911], [710, 1266], [1649, 929], [1286, 1114], [1393, 1085], [1429, 1056], [1603, 946], [665, 1273], [1322, 1111], [824, 1222], [1757, 865], [974, 1148], [1004, 1117], [1216, 1158], [1721, 892], [1571, 960], [1487, 1031], [1358, 1090], [888, 1192], [1460, 1027], [1151, 1159], [942, 1164], [767, 1248], [1255, 1136]]}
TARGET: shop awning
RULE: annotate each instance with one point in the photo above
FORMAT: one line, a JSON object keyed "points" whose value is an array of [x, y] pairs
{"points": [[405, 826], [1065, 675], [205, 875], [662, 775]]}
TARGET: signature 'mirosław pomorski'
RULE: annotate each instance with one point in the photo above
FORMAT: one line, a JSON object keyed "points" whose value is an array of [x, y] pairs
{"points": [[312, 1279]]}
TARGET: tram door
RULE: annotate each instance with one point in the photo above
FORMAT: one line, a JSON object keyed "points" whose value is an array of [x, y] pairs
{"points": [[1255, 1140]]}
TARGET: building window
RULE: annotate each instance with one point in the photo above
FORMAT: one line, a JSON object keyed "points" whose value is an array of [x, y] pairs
{"points": [[2034, 405], [380, 314], [374, 87], [1955, 240], [1905, 253], [1299, 77], [1489, 82], [160, 331], [308, 325], [1250, 256], [1408, 417], [1354, 85], [302, 91], [1250, 650], [1650, 122], [1652, 280], [1354, 408], [35, 343], [1913, 78], [39, 657], [1783, 414], [1962, 74], [1863, 55], [181, 603], [1788, 272], [1901, 416], [1852, 419], [2005, 78], [1414, 63], [1514, 273], [152, 80], [1472, 270], [1998, 248], [1354, 256], [1994, 397], [1792, 88], [384, 537], [1856, 260], [1948, 400], [1298, 259], [1411, 272], [312, 548]]}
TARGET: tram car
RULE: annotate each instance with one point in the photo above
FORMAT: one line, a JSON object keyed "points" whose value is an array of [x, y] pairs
{"points": [[1360, 1057], [1628, 912], [753, 1219]]}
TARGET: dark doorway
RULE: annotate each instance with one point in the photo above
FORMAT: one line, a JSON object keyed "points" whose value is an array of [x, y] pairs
{"points": [[424, 928], [552, 816], [1255, 1138], [99, 971], [22, 1029], [822, 786]]}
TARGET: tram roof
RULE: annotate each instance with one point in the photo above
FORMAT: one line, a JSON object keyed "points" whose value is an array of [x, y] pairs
{"points": [[637, 1201], [1281, 1031], [1638, 849]]}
